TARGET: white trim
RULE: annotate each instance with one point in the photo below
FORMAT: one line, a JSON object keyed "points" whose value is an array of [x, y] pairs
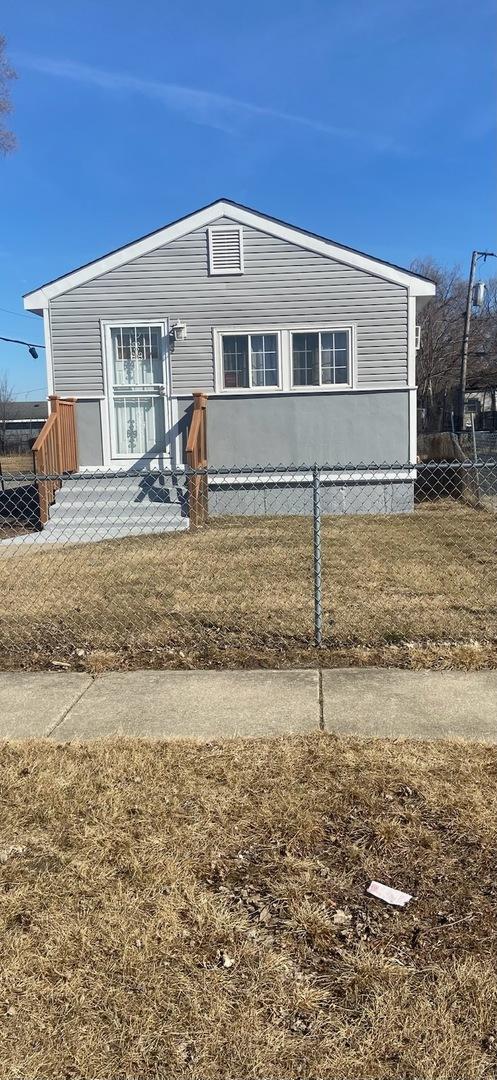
{"points": [[47, 329], [225, 273], [39, 298], [85, 397], [106, 325], [285, 361], [176, 441], [411, 340], [411, 378], [105, 429], [389, 388], [351, 331], [413, 426], [231, 331], [326, 477]]}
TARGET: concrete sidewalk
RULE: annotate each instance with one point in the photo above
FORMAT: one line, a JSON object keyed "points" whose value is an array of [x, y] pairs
{"points": [[371, 702]]}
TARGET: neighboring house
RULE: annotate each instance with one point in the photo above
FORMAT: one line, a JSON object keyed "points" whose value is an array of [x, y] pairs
{"points": [[480, 402], [20, 422], [306, 348]]}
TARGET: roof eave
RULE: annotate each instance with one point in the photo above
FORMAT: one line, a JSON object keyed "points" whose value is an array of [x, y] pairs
{"points": [[39, 299]]}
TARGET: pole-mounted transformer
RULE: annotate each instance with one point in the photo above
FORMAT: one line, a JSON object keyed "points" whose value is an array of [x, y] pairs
{"points": [[478, 294]]}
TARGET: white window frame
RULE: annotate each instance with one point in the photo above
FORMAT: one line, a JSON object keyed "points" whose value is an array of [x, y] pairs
{"points": [[223, 272], [285, 358], [252, 331], [108, 419], [321, 386]]}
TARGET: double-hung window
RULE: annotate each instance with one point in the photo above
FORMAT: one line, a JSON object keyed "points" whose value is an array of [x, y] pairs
{"points": [[250, 361], [321, 358]]}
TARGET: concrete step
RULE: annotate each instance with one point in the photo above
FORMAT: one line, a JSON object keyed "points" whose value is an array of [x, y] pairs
{"points": [[124, 483], [120, 512], [91, 510], [80, 500]]}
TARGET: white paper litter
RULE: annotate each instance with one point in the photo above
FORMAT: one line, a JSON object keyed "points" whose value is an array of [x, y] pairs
{"points": [[390, 896]]}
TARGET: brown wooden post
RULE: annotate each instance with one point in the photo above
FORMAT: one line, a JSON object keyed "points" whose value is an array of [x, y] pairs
{"points": [[200, 404], [196, 458], [41, 485], [54, 408]]}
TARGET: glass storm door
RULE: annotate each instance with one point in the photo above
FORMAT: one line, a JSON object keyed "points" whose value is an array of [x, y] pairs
{"points": [[139, 404]]}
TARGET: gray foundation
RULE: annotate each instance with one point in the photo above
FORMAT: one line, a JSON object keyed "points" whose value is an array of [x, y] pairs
{"points": [[274, 499]]}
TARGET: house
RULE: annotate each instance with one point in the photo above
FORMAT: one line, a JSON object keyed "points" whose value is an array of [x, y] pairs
{"points": [[20, 422], [305, 347], [480, 401]]}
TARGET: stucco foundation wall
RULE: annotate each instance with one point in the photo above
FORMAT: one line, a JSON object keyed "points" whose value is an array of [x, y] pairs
{"points": [[353, 497], [293, 429], [89, 431]]}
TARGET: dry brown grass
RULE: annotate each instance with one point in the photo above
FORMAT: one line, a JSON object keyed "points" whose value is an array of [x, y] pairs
{"points": [[200, 911], [240, 591]]}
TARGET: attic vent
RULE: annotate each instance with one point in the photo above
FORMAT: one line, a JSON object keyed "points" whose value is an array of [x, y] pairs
{"points": [[225, 250]]}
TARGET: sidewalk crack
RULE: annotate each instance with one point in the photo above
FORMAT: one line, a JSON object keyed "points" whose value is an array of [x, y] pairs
{"points": [[66, 712]]}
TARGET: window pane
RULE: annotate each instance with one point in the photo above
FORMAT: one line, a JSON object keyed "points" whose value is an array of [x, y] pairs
{"points": [[235, 361], [334, 357], [264, 359], [137, 424], [305, 359], [136, 352], [327, 360]]}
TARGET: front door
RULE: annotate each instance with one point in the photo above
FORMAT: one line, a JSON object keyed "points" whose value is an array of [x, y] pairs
{"points": [[139, 394]]}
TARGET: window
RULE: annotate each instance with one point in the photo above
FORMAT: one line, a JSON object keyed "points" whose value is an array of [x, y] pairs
{"points": [[136, 355], [321, 358], [250, 361]]}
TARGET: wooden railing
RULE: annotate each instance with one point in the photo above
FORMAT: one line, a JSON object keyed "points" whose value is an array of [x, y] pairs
{"points": [[55, 451], [196, 458]]}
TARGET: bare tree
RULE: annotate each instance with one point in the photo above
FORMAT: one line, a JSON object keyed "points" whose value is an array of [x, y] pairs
{"points": [[7, 73], [439, 355], [6, 396], [441, 329]]}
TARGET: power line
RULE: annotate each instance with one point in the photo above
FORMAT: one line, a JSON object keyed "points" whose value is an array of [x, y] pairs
{"points": [[19, 314], [16, 341], [34, 390]]}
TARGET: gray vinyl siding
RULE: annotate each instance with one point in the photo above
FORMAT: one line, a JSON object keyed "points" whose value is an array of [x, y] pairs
{"points": [[283, 285]]}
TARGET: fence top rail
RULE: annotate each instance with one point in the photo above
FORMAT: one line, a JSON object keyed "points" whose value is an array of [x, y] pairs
{"points": [[393, 470]]}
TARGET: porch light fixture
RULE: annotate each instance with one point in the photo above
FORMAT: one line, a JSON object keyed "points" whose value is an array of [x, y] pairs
{"points": [[178, 330]]}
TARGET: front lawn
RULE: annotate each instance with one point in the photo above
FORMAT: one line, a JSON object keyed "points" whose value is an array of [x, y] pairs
{"points": [[240, 591], [171, 910]]}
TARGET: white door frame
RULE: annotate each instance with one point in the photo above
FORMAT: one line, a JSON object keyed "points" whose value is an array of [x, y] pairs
{"points": [[125, 461]]}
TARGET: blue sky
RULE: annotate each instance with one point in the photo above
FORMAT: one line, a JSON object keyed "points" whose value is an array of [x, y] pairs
{"points": [[370, 122]]}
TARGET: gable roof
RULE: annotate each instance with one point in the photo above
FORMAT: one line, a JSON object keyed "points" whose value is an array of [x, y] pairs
{"points": [[243, 215]]}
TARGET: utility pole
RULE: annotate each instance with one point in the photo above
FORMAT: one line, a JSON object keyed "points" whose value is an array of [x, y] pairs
{"points": [[467, 323]]}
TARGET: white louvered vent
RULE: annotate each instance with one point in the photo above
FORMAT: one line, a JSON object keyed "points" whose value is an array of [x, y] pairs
{"points": [[225, 250]]}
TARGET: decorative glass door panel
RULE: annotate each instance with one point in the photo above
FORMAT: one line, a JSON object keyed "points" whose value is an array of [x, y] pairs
{"points": [[138, 391], [138, 422]]}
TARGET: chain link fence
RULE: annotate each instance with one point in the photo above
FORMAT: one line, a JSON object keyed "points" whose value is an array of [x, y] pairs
{"points": [[245, 565]]}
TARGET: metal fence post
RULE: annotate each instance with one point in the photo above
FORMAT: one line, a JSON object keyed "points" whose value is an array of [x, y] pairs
{"points": [[316, 529]]}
